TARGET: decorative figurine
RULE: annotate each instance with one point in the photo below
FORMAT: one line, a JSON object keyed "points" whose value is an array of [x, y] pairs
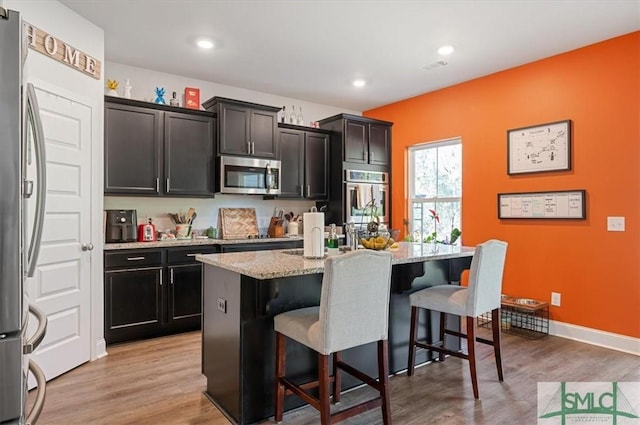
{"points": [[127, 89], [112, 85], [159, 96]]}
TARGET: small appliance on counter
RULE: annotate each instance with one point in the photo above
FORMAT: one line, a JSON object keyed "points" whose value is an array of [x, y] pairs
{"points": [[147, 232], [121, 226]]}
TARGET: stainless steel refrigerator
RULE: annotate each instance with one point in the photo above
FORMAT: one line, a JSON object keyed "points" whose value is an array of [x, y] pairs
{"points": [[22, 196]]}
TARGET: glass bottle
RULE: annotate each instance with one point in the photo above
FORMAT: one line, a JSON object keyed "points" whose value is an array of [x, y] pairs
{"points": [[300, 117], [283, 116], [174, 101], [332, 241], [292, 117]]}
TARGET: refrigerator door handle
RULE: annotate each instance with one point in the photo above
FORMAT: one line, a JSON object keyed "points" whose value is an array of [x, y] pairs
{"points": [[41, 380], [35, 340], [33, 116]]}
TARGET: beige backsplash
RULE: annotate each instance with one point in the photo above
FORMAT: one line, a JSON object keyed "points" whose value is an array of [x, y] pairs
{"points": [[207, 209]]}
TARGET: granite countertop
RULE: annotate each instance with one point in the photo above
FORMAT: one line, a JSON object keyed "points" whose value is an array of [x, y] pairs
{"points": [[290, 262], [193, 242]]}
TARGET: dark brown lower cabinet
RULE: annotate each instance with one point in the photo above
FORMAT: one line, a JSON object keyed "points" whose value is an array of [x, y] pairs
{"points": [[134, 295], [134, 301], [185, 296], [152, 292]]}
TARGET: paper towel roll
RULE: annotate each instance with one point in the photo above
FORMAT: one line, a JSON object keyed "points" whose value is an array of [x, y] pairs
{"points": [[313, 242]]}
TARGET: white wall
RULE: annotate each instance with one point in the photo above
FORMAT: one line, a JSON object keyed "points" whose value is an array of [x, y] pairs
{"points": [[144, 82], [60, 21]]}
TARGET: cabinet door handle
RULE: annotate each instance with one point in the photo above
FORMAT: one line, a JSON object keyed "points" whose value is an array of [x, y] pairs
{"points": [[168, 185], [158, 184], [249, 148], [253, 148], [135, 258], [171, 276], [371, 156], [160, 278], [302, 191], [308, 191]]}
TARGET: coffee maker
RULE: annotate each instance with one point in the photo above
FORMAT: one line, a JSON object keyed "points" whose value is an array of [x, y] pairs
{"points": [[121, 226]]}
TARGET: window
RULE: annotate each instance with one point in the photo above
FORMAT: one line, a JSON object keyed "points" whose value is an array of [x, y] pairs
{"points": [[435, 190]]}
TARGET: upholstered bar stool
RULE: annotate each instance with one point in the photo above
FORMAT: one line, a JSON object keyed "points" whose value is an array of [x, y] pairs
{"points": [[482, 295], [353, 311]]}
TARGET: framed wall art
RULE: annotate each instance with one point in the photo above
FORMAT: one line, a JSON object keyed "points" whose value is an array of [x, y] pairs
{"points": [[539, 148], [567, 204]]}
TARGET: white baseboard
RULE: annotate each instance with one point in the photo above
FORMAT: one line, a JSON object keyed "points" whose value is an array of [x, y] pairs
{"points": [[604, 339], [101, 349]]}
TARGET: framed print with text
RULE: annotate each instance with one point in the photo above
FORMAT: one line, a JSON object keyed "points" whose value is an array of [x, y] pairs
{"points": [[563, 204], [539, 148]]}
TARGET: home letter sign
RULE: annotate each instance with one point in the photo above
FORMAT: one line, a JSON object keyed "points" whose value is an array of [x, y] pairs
{"points": [[55, 48]]}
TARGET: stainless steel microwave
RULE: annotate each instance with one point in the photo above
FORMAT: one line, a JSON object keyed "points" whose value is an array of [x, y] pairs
{"points": [[253, 176]]}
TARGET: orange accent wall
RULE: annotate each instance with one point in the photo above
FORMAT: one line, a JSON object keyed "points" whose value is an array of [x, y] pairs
{"points": [[598, 88]]}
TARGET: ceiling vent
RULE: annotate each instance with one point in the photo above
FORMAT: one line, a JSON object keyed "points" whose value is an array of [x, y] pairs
{"points": [[437, 64]]}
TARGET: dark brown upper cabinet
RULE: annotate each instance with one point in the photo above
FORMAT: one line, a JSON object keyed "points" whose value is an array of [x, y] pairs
{"points": [[244, 128], [158, 150], [363, 140], [305, 163]]}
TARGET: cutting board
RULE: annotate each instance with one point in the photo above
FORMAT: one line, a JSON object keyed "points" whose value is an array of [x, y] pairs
{"points": [[237, 223]]}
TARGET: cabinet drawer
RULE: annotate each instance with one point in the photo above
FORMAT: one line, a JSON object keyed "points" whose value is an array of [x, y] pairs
{"points": [[188, 254], [137, 258]]}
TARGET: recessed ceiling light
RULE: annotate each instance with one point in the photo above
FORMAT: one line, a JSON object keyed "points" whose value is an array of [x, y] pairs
{"points": [[359, 83], [445, 50], [205, 44]]}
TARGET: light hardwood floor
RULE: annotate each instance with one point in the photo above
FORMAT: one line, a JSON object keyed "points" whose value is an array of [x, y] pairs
{"points": [[159, 382]]}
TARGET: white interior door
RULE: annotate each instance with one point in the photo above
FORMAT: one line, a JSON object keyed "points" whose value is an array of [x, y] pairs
{"points": [[61, 285]]}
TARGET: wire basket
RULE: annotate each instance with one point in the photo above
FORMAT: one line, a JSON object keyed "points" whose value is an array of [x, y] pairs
{"points": [[521, 316]]}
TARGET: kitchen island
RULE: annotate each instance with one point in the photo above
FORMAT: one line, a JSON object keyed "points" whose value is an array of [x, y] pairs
{"points": [[242, 292]]}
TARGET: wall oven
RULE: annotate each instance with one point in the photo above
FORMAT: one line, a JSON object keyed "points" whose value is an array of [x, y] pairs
{"points": [[366, 195], [248, 175]]}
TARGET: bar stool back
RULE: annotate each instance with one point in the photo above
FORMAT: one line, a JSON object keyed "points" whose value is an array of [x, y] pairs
{"points": [[483, 294], [353, 311]]}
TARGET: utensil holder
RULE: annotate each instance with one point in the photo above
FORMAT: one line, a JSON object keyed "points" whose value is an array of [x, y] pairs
{"points": [[276, 230], [183, 231]]}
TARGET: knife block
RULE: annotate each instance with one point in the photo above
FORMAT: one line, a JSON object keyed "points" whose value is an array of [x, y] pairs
{"points": [[276, 230]]}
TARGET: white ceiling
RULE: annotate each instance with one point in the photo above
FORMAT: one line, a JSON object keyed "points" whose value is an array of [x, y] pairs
{"points": [[311, 50]]}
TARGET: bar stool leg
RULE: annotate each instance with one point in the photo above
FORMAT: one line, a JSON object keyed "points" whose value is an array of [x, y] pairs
{"points": [[443, 326], [413, 334], [497, 343], [324, 388], [383, 376], [337, 377], [281, 354], [471, 347]]}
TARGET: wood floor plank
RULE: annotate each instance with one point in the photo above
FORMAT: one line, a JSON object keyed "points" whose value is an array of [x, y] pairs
{"points": [[158, 381]]}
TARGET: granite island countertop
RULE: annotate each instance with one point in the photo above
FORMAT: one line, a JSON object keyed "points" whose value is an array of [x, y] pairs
{"points": [[169, 243], [290, 262]]}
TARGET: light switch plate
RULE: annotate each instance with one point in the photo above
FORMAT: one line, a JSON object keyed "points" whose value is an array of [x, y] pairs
{"points": [[615, 224]]}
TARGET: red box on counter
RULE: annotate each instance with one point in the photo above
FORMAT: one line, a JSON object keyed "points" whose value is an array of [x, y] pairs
{"points": [[192, 98]]}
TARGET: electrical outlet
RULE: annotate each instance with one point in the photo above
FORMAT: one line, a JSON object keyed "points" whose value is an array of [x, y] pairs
{"points": [[222, 305], [555, 299]]}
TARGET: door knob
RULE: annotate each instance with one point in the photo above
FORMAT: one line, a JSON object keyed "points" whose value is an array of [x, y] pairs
{"points": [[87, 247]]}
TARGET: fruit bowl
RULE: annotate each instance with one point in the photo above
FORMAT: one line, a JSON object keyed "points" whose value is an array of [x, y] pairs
{"points": [[376, 240]]}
